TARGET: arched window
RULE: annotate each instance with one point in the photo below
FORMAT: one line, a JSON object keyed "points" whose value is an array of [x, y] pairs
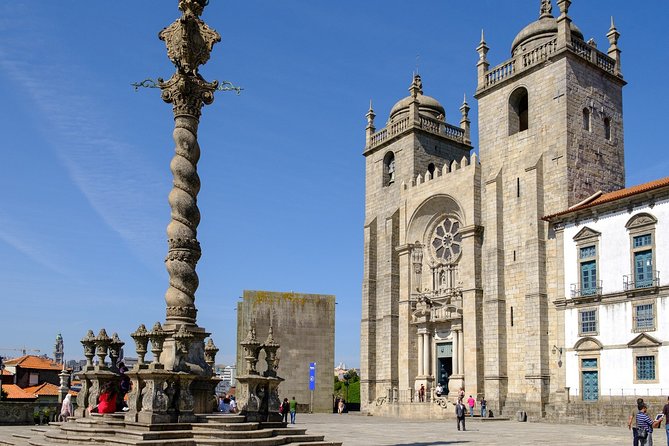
{"points": [[518, 111], [389, 169], [430, 168], [586, 119], [607, 129]]}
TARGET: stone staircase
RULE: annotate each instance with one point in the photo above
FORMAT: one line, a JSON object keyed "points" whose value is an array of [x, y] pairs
{"points": [[215, 429]]}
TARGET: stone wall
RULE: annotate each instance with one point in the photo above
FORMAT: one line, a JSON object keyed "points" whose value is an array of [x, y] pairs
{"points": [[19, 413], [304, 327]]}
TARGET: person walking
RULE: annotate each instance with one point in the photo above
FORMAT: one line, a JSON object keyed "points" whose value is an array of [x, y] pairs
{"points": [[645, 426], [341, 406], [66, 410], [471, 402], [631, 423], [460, 414], [293, 409], [421, 394], [484, 407], [284, 409]]}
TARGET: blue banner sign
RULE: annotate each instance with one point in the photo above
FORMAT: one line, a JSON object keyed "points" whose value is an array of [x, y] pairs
{"points": [[312, 376]]}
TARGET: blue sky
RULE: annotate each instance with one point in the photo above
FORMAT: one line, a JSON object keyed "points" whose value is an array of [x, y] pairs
{"points": [[85, 158]]}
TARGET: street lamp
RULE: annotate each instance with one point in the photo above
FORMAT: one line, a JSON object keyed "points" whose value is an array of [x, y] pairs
{"points": [[346, 378]]}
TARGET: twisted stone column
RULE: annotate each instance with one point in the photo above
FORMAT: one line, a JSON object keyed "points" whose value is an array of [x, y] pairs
{"points": [[189, 43]]}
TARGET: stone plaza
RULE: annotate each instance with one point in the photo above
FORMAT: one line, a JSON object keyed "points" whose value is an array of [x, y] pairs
{"points": [[360, 430]]}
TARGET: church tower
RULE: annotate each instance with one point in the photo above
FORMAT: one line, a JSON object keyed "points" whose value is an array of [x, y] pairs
{"points": [[551, 135], [58, 350], [416, 148]]}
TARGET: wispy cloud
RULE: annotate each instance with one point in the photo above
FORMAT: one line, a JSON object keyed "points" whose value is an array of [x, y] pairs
{"points": [[116, 181]]}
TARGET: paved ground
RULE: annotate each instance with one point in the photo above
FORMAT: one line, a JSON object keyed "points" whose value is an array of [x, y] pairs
{"points": [[358, 430]]}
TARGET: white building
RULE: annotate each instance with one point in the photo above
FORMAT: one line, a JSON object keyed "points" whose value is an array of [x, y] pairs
{"points": [[616, 303]]}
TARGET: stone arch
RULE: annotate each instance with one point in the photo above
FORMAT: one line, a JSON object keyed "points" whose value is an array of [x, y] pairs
{"points": [[518, 110]]}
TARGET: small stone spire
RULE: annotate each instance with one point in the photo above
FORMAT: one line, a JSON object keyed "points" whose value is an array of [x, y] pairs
{"points": [[546, 9], [416, 86], [614, 51], [483, 64], [370, 129], [465, 123], [564, 24], [415, 89]]}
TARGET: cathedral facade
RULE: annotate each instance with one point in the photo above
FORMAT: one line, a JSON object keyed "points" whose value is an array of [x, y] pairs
{"points": [[459, 266]]}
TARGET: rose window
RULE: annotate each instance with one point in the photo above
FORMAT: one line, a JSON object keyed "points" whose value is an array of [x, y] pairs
{"points": [[446, 240]]}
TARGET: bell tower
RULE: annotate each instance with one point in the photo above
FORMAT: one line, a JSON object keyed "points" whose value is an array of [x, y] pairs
{"points": [[551, 135]]}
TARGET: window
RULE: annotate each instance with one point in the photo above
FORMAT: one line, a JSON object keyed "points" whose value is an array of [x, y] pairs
{"points": [[586, 119], [644, 317], [641, 228], [587, 251], [645, 368], [33, 379], [430, 168], [518, 111], [587, 322], [389, 169], [607, 129]]}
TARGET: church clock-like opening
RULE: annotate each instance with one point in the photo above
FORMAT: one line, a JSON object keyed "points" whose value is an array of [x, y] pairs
{"points": [[518, 111]]}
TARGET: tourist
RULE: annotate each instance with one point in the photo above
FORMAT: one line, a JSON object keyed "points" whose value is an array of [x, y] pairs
{"points": [[341, 406], [471, 402], [438, 390], [460, 414], [665, 412], [107, 398], [645, 426], [421, 393], [124, 385], [484, 407], [293, 409], [284, 408], [224, 404], [461, 394], [631, 422], [66, 409], [233, 404]]}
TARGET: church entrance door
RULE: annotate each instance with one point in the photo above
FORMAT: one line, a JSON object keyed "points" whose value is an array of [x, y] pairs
{"points": [[444, 364]]}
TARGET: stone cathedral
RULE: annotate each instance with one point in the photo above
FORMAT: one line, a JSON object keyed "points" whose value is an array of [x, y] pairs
{"points": [[459, 267]]}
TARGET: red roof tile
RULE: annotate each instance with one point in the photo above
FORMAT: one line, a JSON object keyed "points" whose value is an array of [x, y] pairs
{"points": [[7, 373], [33, 362], [615, 195], [43, 389], [14, 392]]}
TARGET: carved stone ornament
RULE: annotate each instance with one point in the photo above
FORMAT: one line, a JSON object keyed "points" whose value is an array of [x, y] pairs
{"points": [[446, 240], [189, 40], [642, 219], [187, 93]]}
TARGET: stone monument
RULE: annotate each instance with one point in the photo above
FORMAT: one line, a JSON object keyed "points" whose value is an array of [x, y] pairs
{"points": [[178, 382]]}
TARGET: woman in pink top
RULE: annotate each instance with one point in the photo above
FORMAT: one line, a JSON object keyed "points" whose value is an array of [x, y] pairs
{"points": [[471, 402]]}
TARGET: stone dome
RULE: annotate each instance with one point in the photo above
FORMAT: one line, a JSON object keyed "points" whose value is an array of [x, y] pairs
{"points": [[540, 32], [427, 105]]}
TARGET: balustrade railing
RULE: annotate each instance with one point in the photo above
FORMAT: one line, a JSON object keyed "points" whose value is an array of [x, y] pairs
{"points": [[500, 72], [605, 62], [539, 53], [426, 123], [581, 48]]}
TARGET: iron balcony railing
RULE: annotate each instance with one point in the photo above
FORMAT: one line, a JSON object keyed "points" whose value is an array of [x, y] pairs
{"points": [[586, 291], [639, 281]]}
